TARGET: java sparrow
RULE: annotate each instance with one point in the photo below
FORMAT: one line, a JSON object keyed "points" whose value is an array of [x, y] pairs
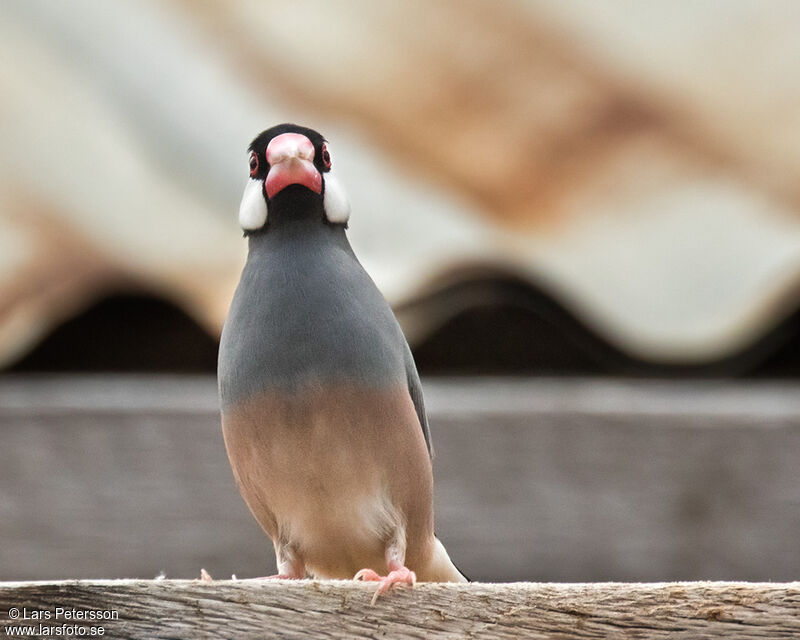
{"points": [[322, 409]]}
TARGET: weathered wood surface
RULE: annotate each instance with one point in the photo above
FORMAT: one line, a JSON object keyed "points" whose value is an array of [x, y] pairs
{"points": [[338, 609], [564, 480]]}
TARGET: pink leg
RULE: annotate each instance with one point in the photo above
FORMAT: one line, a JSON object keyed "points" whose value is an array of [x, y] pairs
{"points": [[290, 566], [205, 576], [398, 572]]}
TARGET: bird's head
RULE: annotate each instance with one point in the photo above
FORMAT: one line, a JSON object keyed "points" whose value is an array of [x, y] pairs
{"points": [[290, 167]]}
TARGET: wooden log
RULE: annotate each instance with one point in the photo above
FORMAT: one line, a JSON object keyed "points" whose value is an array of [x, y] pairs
{"points": [[341, 609]]}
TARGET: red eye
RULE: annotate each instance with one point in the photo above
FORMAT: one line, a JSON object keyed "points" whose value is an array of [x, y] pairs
{"points": [[253, 164], [326, 156]]}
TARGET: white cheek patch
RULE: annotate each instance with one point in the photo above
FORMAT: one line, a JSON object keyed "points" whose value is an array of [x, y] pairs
{"points": [[253, 209], [337, 204]]}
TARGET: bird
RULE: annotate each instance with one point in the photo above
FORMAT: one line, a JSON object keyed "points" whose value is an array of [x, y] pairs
{"points": [[322, 410]]}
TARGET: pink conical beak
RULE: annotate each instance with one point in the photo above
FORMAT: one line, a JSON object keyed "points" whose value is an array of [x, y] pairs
{"points": [[291, 160]]}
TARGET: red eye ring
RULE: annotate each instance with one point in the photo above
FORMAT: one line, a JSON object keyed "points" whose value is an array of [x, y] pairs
{"points": [[253, 164], [326, 156]]}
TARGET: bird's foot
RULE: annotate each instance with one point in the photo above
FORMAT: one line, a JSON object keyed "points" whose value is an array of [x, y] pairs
{"points": [[278, 576], [205, 576], [402, 575]]}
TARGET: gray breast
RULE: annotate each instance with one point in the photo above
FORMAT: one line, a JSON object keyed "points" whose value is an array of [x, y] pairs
{"points": [[306, 312]]}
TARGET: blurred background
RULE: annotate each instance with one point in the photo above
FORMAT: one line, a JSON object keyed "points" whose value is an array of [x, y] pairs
{"points": [[585, 215]]}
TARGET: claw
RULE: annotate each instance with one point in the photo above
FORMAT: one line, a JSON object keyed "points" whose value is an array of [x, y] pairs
{"points": [[367, 575], [403, 575], [205, 576]]}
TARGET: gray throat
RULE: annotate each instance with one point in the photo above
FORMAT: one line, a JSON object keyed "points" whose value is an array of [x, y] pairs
{"points": [[306, 313]]}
